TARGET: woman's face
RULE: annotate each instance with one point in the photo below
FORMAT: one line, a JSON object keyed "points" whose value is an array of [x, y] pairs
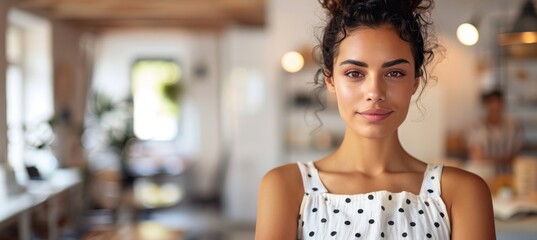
{"points": [[373, 80]]}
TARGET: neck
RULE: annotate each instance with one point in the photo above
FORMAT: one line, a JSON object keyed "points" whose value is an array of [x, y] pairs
{"points": [[370, 156]]}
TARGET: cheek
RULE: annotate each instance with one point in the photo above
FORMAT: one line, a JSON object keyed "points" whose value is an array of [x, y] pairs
{"points": [[402, 97], [346, 95]]}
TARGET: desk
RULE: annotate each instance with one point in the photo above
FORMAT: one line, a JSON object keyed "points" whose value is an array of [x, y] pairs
{"points": [[520, 229], [20, 206]]}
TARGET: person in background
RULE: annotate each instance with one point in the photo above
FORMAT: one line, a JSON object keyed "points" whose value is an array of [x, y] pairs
{"points": [[496, 139], [374, 54]]}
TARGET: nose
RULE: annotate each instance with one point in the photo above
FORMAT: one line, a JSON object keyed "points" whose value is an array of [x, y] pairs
{"points": [[375, 89]]}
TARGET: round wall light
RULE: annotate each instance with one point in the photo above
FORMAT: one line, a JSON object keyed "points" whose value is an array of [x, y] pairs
{"points": [[467, 34], [292, 62]]}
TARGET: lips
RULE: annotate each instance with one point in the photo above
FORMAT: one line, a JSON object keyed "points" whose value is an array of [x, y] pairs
{"points": [[376, 114]]}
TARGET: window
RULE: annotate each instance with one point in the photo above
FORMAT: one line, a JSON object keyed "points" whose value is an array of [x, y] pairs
{"points": [[156, 89], [14, 96], [28, 81]]}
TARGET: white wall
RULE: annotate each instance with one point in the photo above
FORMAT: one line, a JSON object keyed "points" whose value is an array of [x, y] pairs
{"points": [[252, 139], [3, 66], [257, 138], [199, 131]]}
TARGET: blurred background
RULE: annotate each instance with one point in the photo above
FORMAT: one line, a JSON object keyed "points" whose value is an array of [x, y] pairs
{"points": [[132, 119]]}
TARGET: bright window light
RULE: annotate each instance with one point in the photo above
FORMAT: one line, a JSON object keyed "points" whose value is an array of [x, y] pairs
{"points": [[156, 89]]}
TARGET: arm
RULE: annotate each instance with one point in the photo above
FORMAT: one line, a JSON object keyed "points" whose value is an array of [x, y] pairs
{"points": [[470, 203], [278, 205]]}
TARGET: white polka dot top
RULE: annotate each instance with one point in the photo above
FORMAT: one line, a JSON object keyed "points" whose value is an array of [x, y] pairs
{"points": [[374, 215]]}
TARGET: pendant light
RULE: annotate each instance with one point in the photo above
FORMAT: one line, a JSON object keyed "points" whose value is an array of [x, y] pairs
{"points": [[524, 30]]}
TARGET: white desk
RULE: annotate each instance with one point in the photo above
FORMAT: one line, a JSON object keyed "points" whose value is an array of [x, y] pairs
{"points": [[520, 229], [19, 207], [515, 227]]}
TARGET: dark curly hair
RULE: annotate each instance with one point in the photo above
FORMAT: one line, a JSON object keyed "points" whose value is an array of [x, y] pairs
{"points": [[409, 18]]}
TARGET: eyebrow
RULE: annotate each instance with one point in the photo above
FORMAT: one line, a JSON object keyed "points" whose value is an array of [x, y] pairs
{"points": [[384, 65]]}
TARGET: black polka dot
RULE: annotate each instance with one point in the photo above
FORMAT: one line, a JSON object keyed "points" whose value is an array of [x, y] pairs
{"points": [[401, 210], [382, 207], [307, 194], [390, 223], [432, 177], [323, 220], [302, 223], [412, 224], [441, 214], [408, 201], [370, 197], [347, 223], [357, 235], [430, 190], [314, 189], [437, 224], [311, 234], [429, 235], [360, 211], [404, 234], [299, 216], [326, 199], [427, 204], [333, 233], [371, 221], [382, 234], [420, 211], [390, 197], [314, 210], [309, 175], [348, 200], [336, 210]]}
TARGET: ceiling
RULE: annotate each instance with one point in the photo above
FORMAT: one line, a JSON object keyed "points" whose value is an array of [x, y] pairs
{"points": [[197, 14]]}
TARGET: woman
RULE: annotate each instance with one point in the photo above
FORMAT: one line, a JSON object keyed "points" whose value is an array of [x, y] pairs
{"points": [[374, 54]]}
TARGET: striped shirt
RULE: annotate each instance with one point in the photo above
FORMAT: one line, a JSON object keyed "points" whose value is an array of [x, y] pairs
{"points": [[499, 142]]}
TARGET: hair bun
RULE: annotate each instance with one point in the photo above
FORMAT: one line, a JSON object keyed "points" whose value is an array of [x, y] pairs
{"points": [[419, 6], [331, 5], [334, 6]]}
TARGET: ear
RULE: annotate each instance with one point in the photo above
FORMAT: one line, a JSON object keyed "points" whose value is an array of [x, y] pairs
{"points": [[416, 85], [330, 84]]}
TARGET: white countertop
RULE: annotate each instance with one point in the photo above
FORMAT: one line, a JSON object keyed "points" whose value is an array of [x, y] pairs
{"points": [[37, 192]]}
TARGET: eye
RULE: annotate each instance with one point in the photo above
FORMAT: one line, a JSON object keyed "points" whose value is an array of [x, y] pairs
{"points": [[354, 74], [395, 74]]}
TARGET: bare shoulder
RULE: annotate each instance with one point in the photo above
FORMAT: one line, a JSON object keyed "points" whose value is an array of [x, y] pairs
{"points": [[456, 181], [469, 203], [280, 195], [286, 177]]}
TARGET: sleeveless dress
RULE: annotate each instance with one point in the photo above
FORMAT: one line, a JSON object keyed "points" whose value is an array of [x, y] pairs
{"points": [[375, 215]]}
